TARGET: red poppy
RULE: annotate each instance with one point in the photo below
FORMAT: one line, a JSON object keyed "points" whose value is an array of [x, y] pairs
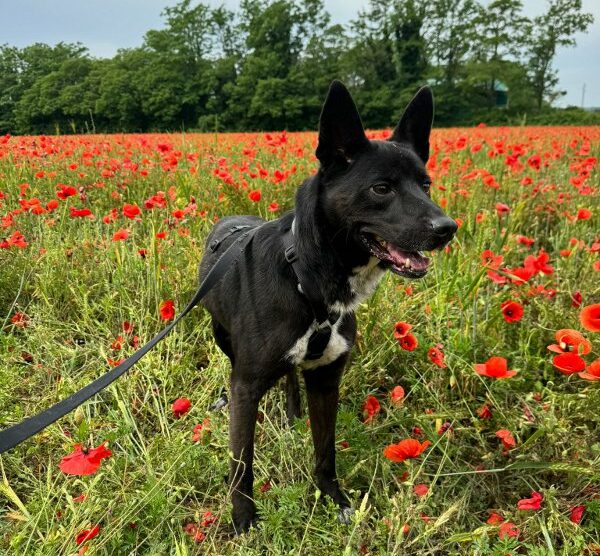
{"points": [[255, 195], [590, 317], [371, 408], [20, 320], [576, 299], [568, 363], [409, 342], [507, 439], [512, 311], [436, 356], [127, 327], [508, 529], [397, 395], [194, 531], [131, 211], [584, 214], [421, 489], [181, 406], [570, 341], [484, 412], [494, 367], [120, 235], [201, 431], [502, 209], [87, 534], [167, 310], [533, 503], [401, 329], [576, 514], [592, 372], [495, 519], [405, 449], [539, 264], [83, 461]]}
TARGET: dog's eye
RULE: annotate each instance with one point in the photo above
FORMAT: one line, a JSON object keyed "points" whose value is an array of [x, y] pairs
{"points": [[381, 189], [427, 187]]}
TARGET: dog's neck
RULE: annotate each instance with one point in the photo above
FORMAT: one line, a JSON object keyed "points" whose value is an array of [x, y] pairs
{"points": [[329, 255]]}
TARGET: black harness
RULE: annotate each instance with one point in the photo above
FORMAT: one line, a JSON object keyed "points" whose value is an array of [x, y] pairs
{"points": [[324, 319], [14, 435]]}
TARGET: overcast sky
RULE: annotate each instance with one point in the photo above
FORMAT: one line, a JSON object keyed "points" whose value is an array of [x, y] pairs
{"points": [[106, 25]]}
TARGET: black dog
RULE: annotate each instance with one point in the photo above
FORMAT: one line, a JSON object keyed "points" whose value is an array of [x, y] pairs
{"points": [[289, 301]]}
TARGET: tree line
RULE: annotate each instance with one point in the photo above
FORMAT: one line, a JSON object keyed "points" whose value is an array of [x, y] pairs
{"points": [[267, 66]]}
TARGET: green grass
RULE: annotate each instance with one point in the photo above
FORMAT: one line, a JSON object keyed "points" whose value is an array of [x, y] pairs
{"points": [[77, 287]]}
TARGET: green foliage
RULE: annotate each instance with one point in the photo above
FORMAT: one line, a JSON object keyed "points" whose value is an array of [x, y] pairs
{"points": [[268, 65]]}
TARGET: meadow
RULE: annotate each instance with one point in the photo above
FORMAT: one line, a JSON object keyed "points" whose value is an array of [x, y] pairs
{"points": [[100, 237]]}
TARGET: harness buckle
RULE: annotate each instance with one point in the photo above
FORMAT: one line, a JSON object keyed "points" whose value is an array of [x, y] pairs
{"points": [[290, 254]]}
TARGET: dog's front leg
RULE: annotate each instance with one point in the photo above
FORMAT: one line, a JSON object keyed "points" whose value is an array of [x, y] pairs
{"points": [[243, 408], [322, 390]]}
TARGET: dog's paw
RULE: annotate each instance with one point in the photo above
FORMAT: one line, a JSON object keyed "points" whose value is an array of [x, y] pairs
{"points": [[345, 515], [242, 525], [220, 403]]}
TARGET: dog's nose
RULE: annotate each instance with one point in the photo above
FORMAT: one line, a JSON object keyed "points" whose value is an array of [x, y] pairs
{"points": [[444, 226]]}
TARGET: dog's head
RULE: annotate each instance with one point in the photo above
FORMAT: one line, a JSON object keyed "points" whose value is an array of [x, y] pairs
{"points": [[377, 192]]}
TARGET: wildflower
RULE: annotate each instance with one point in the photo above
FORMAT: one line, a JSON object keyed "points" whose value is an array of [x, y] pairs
{"points": [[495, 519], [533, 503], [397, 395], [436, 356], [592, 372], [167, 310], [508, 529], [484, 412], [421, 489], [502, 209], [507, 439], [131, 211], [409, 342], [494, 367], [570, 341], [590, 317], [405, 449], [181, 406], [83, 461], [201, 431], [576, 514], [512, 311], [371, 408], [568, 363], [255, 195], [87, 534], [20, 320], [401, 329]]}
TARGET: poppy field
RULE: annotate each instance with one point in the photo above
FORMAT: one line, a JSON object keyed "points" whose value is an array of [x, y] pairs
{"points": [[468, 419]]}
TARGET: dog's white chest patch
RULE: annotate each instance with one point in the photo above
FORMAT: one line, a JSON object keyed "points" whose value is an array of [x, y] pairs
{"points": [[362, 283], [337, 346]]}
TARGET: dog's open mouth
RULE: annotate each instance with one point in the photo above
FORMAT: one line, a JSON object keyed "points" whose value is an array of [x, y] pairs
{"points": [[410, 264]]}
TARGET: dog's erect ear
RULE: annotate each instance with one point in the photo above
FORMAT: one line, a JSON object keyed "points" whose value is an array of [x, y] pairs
{"points": [[341, 133], [415, 125]]}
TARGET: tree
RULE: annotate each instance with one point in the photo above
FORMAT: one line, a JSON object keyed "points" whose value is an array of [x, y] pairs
{"points": [[556, 28]]}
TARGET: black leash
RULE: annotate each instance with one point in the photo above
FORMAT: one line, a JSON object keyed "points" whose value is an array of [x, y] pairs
{"points": [[12, 436]]}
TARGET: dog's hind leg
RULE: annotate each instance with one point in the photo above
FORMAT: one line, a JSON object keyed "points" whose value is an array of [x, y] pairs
{"points": [[322, 391], [293, 407]]}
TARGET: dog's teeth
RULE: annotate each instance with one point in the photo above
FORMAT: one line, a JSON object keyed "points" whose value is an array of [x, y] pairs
{"points": [[383, 243]]}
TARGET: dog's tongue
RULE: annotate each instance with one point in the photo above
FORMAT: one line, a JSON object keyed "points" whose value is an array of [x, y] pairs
{"points": [[412, 259]]}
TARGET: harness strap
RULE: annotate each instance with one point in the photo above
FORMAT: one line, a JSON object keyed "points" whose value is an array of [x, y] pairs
{"points": [[319, 339], [16, 434]]}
